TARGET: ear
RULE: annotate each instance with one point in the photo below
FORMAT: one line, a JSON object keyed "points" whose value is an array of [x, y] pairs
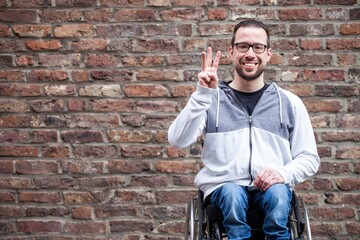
{"points": [[269, 54], [231, 52]]}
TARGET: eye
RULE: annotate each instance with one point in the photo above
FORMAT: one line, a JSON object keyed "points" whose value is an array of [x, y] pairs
{"points": [[242, 46], [258, 47]]}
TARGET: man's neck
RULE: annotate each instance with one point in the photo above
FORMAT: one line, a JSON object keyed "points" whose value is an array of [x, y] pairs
{"points": [[243, 85]]}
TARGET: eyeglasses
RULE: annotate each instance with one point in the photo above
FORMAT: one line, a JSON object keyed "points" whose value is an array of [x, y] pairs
{"points": [[244, 47]]}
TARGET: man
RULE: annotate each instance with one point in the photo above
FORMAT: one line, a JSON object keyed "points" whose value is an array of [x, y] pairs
{"points": [[259, 141]]}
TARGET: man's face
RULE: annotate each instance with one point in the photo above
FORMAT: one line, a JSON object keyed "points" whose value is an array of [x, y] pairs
{"points": [[250, 65]]}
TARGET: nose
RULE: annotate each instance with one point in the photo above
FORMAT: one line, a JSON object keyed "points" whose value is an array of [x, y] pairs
{"points": [[250, 53]]}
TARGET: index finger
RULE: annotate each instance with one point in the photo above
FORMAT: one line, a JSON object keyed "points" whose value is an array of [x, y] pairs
{"points": [[203, 59]]}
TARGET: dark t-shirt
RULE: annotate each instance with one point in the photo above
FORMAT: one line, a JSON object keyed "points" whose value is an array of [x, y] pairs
{"points": [[249, 99]]}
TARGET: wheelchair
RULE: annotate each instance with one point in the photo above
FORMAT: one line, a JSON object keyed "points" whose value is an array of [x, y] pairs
{"points": [[204, 221]]}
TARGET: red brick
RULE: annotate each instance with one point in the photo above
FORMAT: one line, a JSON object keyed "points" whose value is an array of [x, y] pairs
{"points": [[35, 226], [299, 14], [86, 227], [125, 166], [35, 45], [348, 184], [36, 167], [7, 197], [122, 226], [47, 75], [217, 14], [19, 151], [322, 106], [94, 151], [82, 213], [98, 15], [181, 14], [39, 197], [350, 29], [343, 44], [335, 2], [123, 3], [141, 151], [5, 31], [18, 15], [76, 3], [123, 15]]}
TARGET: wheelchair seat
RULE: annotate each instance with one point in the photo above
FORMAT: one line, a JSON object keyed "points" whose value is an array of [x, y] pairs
{"points": [[205, 220]]}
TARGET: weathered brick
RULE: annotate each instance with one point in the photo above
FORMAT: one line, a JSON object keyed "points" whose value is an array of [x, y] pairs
{"points": [[89, 45], [82, 167], [83, 136], [157, 75], [101, 60], [47, 105], [100, 91], [32, 30], [76, 30], [151, 45], [176, 166], [142, 90], [125, 136], [94, 151], [125, 166], [55, 15]]}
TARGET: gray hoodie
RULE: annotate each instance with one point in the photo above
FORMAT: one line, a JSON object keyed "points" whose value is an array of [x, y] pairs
{"points": [[237, 146]]}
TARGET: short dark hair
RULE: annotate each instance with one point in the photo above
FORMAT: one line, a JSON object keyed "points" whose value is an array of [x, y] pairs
{"points": [[251, 23]]}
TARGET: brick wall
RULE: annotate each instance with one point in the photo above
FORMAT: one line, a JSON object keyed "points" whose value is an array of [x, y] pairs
{"points": [[88, 89]]}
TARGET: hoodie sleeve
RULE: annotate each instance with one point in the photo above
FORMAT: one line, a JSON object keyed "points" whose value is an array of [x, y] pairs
{"points": [[306, 161], [190, 123]]}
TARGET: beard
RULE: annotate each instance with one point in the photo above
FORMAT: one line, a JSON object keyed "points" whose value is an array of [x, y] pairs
{"points": [[249, 77]]}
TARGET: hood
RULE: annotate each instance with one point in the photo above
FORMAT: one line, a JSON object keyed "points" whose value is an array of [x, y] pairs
{"points": [[273, 88]]}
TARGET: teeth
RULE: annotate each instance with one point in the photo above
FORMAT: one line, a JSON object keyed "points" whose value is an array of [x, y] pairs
{"points": [[250, 64]]}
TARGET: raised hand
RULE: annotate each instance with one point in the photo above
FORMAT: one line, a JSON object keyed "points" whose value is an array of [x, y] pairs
{"points": [[208, 75]]}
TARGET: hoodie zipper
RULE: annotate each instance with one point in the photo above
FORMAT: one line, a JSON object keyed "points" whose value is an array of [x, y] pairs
{"points": [[250, 133]]}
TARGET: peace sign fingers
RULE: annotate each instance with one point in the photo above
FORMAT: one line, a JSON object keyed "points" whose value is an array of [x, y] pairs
{"points": [[208, 75]]}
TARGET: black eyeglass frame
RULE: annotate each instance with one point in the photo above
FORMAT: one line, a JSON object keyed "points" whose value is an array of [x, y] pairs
{"points": [[252, 46]]}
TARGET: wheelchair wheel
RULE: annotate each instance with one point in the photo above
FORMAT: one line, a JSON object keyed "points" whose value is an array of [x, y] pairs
{"points": [[306, 220], [192, 221], [216, 231]]}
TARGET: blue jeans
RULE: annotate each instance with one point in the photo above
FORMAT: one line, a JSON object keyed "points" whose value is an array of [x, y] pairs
{"points": [[235, 200]]}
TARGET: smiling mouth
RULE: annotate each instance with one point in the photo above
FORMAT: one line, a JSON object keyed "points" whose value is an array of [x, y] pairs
{"points": [[250, 65]]}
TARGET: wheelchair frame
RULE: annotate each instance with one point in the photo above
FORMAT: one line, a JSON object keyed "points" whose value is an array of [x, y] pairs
{"points": [[199, 226]]}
